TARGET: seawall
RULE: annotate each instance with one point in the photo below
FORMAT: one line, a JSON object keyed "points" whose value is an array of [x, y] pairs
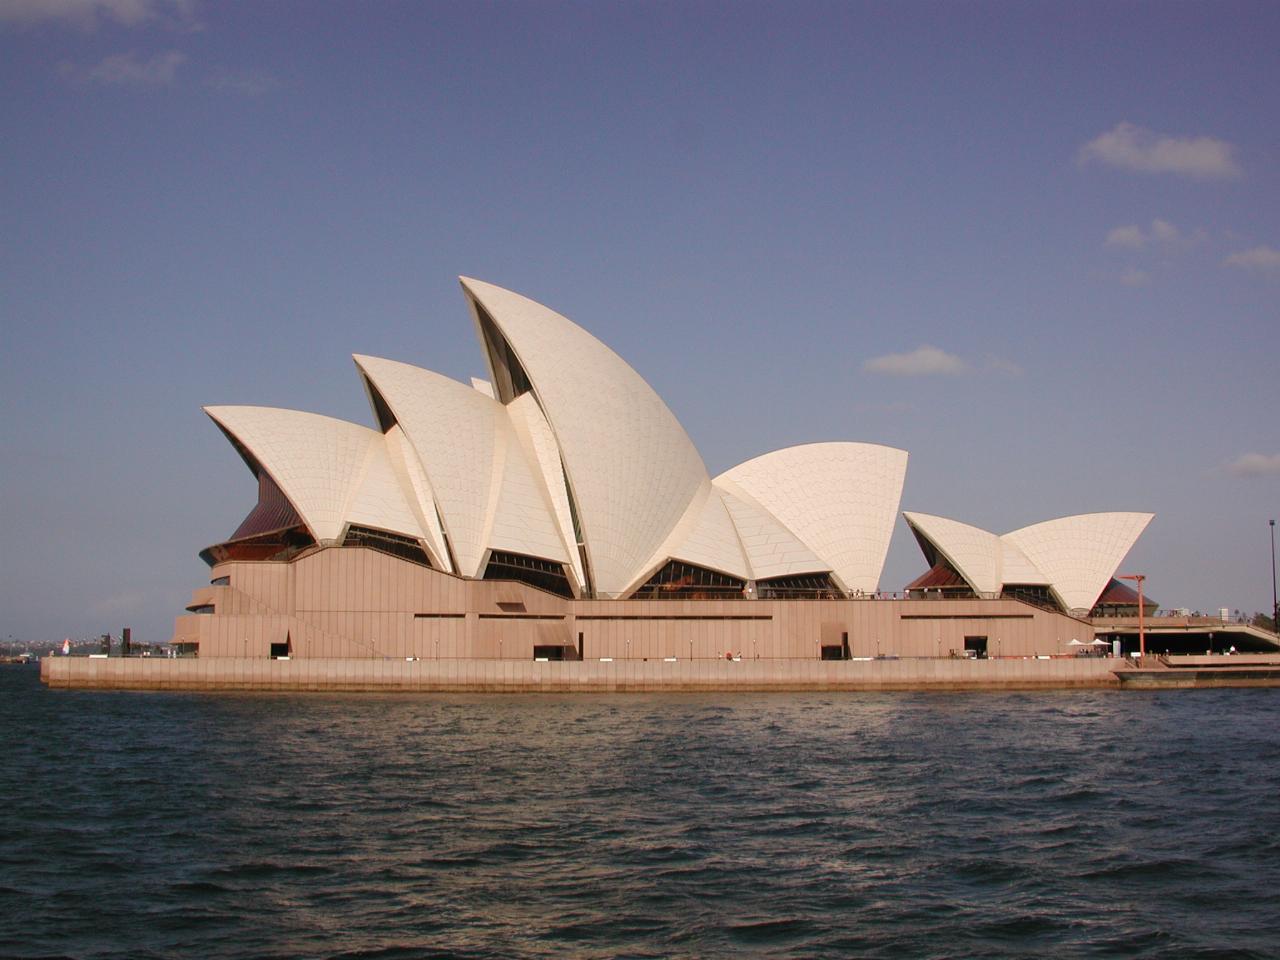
{"points": [[591, 676], [1188, 672]]}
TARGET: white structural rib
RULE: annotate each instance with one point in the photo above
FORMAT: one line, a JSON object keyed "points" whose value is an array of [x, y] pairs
{"points": [[540, 449], [772, 550], [422, 500], [1080, 554], [316, 461], [975, 554], [839, 499], [632, 471]]}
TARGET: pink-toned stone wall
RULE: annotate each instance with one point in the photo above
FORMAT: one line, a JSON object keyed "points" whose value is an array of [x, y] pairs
{"points": [[356, 603], [512, 676]]}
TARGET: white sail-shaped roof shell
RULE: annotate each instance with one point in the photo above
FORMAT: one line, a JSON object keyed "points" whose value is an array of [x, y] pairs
{"points": [[379, 499], [316, 461], [839, 499], [1017, 568], [486, 493], [1074, 556], [772, 550], [632, 470], [1080, 554], [705, 537], [522, 520], [975, 554]]}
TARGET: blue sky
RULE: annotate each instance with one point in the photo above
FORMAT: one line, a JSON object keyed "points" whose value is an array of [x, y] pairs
{"points": [[1036, 245]]}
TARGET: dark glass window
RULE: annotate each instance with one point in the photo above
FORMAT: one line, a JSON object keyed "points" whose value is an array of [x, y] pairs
{"points": [[684, 581], [535, 571], [1033, 593], [381, 409], [806, 586], [511, 380], [394, 544]]}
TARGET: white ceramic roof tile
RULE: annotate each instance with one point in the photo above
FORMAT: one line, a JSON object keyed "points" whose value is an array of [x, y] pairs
{"points": [[1080, 554], [484, 386], [523, 521], [712, 540], [404, 460], [314, 460], [540, 448], [454, 431], [1016, 568], [379, 500], [632, 469], [973, 553], [772, 550], [839, 499]]}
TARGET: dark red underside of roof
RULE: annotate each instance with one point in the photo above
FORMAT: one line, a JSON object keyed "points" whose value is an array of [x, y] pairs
{"points": [[272, 512], [1119, 594], [940, 575]]}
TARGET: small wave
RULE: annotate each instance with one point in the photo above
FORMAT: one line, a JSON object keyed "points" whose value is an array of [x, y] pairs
{"points": [[769, 931]]}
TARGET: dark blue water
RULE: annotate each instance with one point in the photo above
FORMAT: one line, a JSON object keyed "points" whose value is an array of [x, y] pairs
{"points": [[1083, 824]]}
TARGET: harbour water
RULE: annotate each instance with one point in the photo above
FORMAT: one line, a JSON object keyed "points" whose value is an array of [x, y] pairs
{"points": [[1066, 824]]}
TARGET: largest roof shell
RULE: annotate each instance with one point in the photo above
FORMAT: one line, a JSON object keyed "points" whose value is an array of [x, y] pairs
{"points": [[632, 470]]}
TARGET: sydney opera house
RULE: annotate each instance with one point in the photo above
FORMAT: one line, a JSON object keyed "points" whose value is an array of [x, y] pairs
{"points": [[559, 511]]}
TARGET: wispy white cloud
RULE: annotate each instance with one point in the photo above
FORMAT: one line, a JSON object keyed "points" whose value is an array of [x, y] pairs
{"points": [[1135, 148], [1160, 233], [1129, 236], [1255, 465], [924, 361], [247, 83], [1259, 258], [1133, 277], [86, 14], [127, 69]]}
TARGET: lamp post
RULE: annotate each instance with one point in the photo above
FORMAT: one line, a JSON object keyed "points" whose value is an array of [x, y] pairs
{"points": [[1142, 636], [1275, 606]]}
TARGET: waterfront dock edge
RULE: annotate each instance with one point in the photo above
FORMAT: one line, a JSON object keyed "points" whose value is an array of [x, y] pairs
{"points": [[591, 676]]}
